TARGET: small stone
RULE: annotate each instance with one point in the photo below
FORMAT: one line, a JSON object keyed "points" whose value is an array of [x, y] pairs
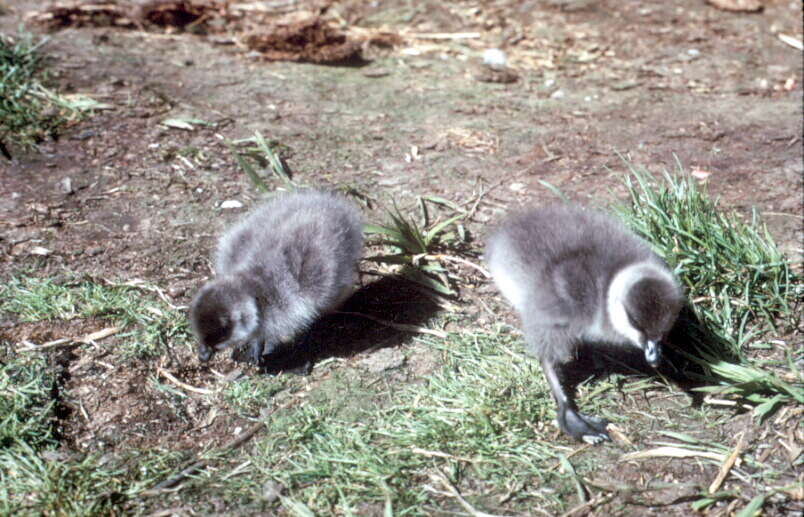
{"points": [[231, 203], [176, 291], [54, 456], [39, 250], [271, 491], [494, 57], [85, 135]]}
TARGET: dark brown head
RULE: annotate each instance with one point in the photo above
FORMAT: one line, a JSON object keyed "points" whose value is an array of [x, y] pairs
{"points": [[644, 300], [221, 315], [652, 305]]}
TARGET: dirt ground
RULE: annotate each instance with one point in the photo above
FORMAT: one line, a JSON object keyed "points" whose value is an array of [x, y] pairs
{"points": [[121, 196]]}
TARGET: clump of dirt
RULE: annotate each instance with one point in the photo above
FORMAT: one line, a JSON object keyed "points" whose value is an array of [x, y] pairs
{"points": [[174, 14], [305, 36], [180, 13], [308, 39]]}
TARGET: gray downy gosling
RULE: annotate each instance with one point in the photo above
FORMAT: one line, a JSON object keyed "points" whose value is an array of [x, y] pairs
{"points": [[579, 276], [290, 261]]}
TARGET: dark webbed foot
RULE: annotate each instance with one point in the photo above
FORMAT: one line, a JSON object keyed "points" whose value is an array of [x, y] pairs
{"points": [[298, 359], [273, 358], [582, 427]]}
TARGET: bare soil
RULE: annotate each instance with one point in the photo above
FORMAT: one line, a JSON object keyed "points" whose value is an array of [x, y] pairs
{"points": [[120, 196]]}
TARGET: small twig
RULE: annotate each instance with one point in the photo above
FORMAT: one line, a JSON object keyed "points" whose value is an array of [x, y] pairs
{"points": [[482, 194], [618, 434], [439, 454], [181, 384], [459, 260], [573, 453], [237, 470], [31, 347], [68, 341], [444, 480], [596, 501], [671, 452], [399, 326], [170, 512], [144, 286], [790, 40], [724, 402], [728, 464], [100, 334]]}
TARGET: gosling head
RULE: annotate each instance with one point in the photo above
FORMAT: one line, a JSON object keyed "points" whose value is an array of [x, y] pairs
{"points": [[222, 315], [644, 302]]}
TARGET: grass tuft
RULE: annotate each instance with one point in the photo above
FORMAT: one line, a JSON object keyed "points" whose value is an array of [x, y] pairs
{"points": [[148, 325], [388, 453], [741, 286], [262, 153], [416, 246], [29, 111]]}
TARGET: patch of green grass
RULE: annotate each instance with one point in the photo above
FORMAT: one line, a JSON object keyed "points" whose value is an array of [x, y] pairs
{"points": [[30, 112], [260, 152], [416, 245], [741, 286], [249, 395], [148, 325], [479, 421], [25, 403], [38, 476]]}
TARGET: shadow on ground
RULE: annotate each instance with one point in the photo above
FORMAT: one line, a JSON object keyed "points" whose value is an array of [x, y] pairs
{"points": [[345, 333], [596, 361]]}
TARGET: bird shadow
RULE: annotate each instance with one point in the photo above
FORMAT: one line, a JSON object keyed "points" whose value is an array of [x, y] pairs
{"points": [[353, 328], [596, 361]]}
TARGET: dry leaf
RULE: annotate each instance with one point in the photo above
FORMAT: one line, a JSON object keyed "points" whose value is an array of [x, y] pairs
{"points": [[744, 6]]}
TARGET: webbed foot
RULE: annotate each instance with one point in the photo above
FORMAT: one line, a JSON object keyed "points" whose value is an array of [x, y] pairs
{"points": [[582, 427]]}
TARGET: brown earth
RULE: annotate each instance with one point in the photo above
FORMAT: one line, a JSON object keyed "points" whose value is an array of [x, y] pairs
{"points": [[121, 196]]}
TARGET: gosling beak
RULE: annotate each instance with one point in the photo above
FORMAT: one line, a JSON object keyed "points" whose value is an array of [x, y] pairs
{"points": [[205, 353], [653, 353]]}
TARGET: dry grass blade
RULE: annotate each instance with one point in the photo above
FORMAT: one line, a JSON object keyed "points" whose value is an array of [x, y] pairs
{"points": [[728, 464], [671, 452], [169, 376], [444, 480], [100, 334], [459, 260], [592, 503], [66, 341]]}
